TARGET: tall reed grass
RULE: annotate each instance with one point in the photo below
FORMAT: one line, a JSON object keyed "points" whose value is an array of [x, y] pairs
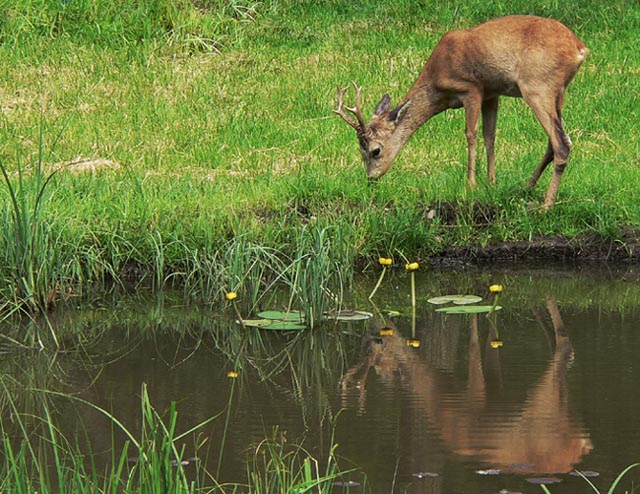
{"points": [[153, 462]]}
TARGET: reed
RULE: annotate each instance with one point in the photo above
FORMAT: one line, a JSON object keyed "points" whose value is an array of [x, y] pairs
{"points": [[279, 468], [612, 487], [31, 243]]}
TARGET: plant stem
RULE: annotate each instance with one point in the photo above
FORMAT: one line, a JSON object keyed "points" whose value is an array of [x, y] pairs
{"points": [[375, 289]]}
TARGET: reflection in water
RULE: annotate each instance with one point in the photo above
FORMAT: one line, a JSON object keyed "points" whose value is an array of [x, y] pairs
{"points": [[540, 436]]}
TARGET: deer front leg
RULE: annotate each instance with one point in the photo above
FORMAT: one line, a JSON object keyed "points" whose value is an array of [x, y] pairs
{"points": [[472, 103], [489, 120]]}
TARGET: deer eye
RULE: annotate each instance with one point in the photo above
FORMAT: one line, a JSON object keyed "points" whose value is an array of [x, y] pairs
{"points": [[375, 152]]}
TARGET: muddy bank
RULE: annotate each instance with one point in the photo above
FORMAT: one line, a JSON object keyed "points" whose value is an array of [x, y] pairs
{"points": [[587, 248]]}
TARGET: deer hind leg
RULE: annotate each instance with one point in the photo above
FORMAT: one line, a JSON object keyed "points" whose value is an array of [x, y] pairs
{"points": [[489, 120], [546, 159], [548, 112]]}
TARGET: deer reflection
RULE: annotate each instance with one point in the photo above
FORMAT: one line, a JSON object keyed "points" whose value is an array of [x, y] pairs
{"points": [[539, 436]]}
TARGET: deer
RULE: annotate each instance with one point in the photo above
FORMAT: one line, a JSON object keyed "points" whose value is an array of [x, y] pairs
{"points": [[529, 57]]}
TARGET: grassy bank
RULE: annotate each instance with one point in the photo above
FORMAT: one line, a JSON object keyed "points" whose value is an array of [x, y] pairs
{"points": [[180, 130]]}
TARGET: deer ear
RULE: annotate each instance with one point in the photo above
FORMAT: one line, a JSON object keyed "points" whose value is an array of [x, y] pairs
{"points": [[399, 112], [383, 105]]}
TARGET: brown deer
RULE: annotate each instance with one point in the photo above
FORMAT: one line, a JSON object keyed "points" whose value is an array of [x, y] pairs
{"points": [[522, 56]]}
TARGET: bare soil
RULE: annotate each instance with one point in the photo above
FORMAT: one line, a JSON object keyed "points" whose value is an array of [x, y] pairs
{"points": [[587, 248]]}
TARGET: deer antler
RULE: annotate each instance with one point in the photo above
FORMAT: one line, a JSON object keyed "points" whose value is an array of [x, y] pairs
{"points": [[361, 125]]}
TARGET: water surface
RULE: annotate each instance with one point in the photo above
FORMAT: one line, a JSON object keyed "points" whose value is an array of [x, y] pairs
{"points": [[559, 394]]}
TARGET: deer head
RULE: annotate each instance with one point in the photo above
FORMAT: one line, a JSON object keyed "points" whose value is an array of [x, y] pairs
{"points": [[380, 139]]}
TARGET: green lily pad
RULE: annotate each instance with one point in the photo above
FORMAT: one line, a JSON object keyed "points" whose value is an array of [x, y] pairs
{"points": [[469, 309], [272, 324], [254, 323], [352, 315], [276, 315], [284, 326], [456, 299]]}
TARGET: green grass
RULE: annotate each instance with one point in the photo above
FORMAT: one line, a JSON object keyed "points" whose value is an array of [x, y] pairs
{"points": [[178, 126], [39, 458]]}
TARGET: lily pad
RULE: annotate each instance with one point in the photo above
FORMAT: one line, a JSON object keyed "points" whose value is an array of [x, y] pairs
{"points": [[276, 315], [272, 324], [456, 299], [255, 323], [352, 315], [490, 471], [469, 309], [544, 480], [584, 473], [346, 483], [425, 475], [284, 326]]}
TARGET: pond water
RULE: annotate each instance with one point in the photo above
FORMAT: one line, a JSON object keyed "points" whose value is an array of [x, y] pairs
{"points": [[452, 415]]}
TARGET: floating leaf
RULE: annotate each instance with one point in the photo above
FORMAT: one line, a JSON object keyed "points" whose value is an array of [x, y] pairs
{"points": [[443, 299], [585, 473], [425, 475], [284, 326], [276, 315], [456, 299], [544, 480], [254, 323], [469, 309], [346, 483], [352, 315], [490, 471]]}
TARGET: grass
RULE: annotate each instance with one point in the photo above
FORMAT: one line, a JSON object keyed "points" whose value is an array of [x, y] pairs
{"points": [[176, 127], [154, 462]]}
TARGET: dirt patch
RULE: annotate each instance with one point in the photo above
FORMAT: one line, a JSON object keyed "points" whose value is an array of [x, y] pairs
{"points": [[550, 248]]}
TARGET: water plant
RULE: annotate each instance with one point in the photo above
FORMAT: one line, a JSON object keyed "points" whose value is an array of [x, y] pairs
{"points": [[612, 487], [279, 468], [385, 262], [30, 280], [412, 267], [152, 462]]}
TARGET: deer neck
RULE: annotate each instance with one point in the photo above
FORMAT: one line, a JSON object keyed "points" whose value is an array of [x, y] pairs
{"points": [[423, 104]]}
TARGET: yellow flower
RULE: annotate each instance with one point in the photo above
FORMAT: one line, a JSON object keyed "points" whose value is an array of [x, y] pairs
{"points": [[412, 266], [232, 374], [231, 296], [496, 288], [386, 332], [413, 343], [385, 261], [496, 343]]}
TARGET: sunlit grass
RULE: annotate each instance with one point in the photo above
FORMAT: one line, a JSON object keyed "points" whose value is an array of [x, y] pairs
{"points": [[175, 128]]}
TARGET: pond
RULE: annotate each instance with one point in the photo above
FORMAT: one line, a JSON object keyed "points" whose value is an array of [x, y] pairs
{"points": [[432, 404]]}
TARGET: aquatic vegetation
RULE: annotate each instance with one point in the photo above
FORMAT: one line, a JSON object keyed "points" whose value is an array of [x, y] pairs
{"points": [[456, 299], [612, 487], [277, 321], [463, 303], [279, 468], [151, 462], [385, 262], [30, 278]]}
